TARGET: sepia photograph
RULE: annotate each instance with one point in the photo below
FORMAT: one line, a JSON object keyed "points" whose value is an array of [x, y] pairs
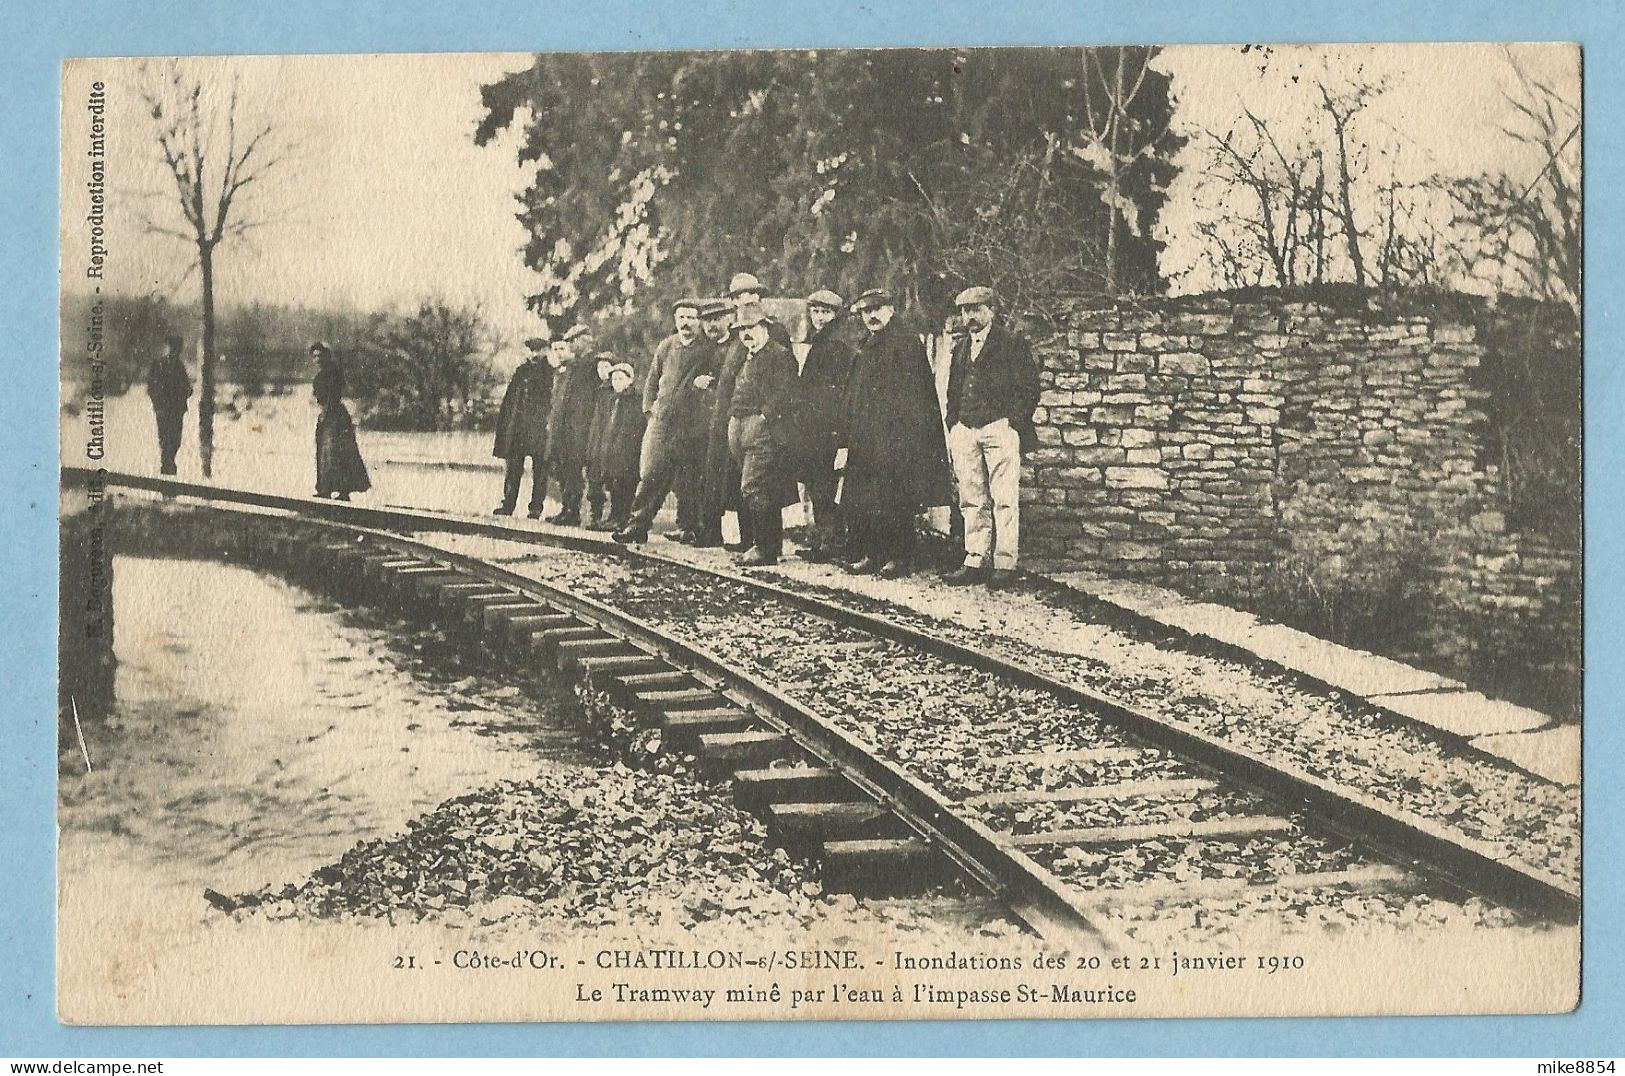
{"points": [[820, 534]]}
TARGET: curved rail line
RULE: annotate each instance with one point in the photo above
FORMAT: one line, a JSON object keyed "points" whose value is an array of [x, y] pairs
{"points": [[1446, 860]]}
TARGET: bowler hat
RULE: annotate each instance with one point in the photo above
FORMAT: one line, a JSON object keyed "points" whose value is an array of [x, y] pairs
{"points": [[744, 282], [574, 333], [536, 343], [872, 298], [977, 296], [826, 298], [715, 308], [692, 304]]}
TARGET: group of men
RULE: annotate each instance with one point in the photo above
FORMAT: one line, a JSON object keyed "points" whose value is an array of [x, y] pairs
{"points": [[728, 419]]}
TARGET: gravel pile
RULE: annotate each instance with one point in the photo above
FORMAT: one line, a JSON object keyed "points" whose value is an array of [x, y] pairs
{"points": [[1255, 858], [553, 842], [1135, 811]]}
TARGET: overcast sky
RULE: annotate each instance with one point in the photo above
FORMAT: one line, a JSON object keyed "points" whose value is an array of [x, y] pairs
{"points": [[387, 199]]}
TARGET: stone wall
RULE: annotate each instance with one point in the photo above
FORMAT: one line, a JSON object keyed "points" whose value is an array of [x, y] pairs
{"points": [[1277, 449]]}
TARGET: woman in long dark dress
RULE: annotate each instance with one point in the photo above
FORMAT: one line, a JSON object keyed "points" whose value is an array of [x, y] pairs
{"points": [[339, 470]]}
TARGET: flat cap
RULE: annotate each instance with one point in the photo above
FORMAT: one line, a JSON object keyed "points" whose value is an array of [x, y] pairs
{"points": [[715, 308], [574, 333], [976, 297], [872, 298], [692, 304], [751, 314], [744, 282], [536, 343], [825, 297], [623, 368]]}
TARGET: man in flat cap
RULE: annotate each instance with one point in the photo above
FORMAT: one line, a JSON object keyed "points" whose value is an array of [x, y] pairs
{"points": [[761, 415], [896, 462], [992, 392], [676, 400], [569, 420], [522, 429], [822, 418]]}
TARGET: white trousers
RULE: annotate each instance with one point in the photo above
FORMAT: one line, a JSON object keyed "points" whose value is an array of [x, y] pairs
{"points": [[987, 469]]}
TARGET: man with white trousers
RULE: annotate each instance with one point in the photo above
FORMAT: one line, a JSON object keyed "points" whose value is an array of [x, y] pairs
{"points": [[992, 393]]}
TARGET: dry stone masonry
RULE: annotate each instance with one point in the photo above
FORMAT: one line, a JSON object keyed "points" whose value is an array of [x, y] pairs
{"points": [[1273, 449]]}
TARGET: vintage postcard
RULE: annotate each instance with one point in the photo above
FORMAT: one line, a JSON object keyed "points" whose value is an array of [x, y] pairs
{"points": [[820, 534]]}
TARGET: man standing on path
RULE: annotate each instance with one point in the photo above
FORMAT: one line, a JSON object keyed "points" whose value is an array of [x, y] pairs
{"points": [[569, 421], [896, 463], [992, 392], [169, 388], [822, 418], [761, 417], [522, 429], [676, 400]]}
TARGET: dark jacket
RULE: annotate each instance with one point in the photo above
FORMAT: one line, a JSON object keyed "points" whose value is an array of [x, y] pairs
{"points": [[1001, 383], [522, 422], [569, 416], [767, 386], [603, 402], [617, 435], [328, 385], [823, 393], [679, 412], [721, 478], [897, 458], [168, 384]]}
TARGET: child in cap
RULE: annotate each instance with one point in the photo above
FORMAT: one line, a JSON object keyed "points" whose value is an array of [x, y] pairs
{"points": [[617, 443]]}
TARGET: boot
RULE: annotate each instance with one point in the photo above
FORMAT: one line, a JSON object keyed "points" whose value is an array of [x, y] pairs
{"points": [[631, 535]]}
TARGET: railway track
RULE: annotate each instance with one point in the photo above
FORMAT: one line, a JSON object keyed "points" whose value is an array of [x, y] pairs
{"points": [[1057, 822]]}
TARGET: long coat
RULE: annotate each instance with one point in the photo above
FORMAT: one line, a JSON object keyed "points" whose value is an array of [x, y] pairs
{"points": [[823, 401], [721, 479], [897, 457], [766, 386], [569, 416], [617, 436], [522, 422], [168, 385], [1001, 383], [338, 458], [679, 412], [602, 404]]}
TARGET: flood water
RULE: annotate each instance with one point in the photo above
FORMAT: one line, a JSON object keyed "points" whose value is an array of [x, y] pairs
{"points": [[259, 733]]}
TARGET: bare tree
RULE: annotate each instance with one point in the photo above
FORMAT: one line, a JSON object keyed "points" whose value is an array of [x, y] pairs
{"points": [[1528, 229], [1112, 139], [1341, 107], [213, 163]]}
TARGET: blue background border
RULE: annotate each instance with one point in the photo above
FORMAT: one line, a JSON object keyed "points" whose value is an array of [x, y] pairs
{"points": [[38, 36]]}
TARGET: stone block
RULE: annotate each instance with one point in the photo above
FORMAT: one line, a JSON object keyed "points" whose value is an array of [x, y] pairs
{"points": [[1136, 478], [1144, 455], [1120, 341], [1186, 363]]}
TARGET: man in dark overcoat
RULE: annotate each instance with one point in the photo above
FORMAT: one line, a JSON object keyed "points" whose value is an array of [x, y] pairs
{"points": [[896, 461], [992, 393], [522, 429], [676, 400], [761, 422], [169, 388], [719, 479], [569, 421], [822, 417]]}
